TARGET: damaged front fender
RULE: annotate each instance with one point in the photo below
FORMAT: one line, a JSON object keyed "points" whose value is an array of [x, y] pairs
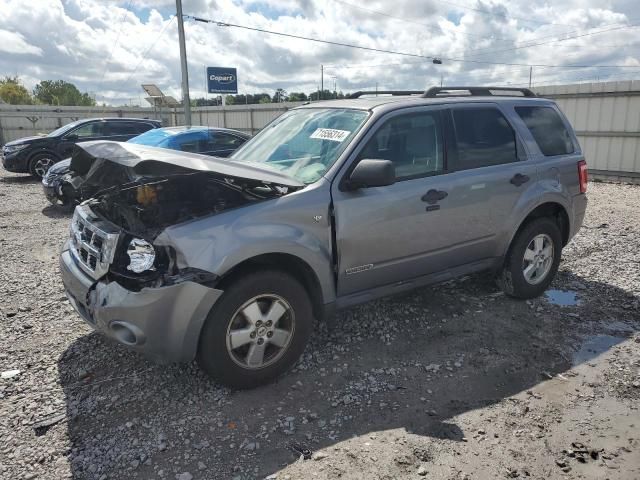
{"points": [[163, 323]]}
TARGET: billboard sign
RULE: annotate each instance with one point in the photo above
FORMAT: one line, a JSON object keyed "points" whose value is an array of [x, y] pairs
{"points": [[222, 80]]}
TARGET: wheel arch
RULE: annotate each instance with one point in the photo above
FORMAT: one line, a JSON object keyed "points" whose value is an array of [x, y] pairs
{"points": [[549, 209], [284, 262], [41, 151]]}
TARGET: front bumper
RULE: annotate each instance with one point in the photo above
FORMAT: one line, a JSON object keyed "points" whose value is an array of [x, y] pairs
{"points": [[49, 190], [15, 162], [163, 323]]}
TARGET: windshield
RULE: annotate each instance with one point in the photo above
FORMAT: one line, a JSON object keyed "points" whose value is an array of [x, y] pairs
{"points": [[303, 143], [156, 137], [64, 129]]}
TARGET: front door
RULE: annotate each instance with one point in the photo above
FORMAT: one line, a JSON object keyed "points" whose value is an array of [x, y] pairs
{"points": [[86, 132], [394, 233]]}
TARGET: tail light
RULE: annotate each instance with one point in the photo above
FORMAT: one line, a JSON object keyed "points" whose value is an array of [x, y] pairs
{"points": [[583, 175]]}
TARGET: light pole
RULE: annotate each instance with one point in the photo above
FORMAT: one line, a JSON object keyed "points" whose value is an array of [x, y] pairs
{"points": [[186, 102]]}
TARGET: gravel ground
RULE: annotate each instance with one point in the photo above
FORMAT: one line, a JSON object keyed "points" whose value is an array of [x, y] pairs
{"points": [[452, 381]]}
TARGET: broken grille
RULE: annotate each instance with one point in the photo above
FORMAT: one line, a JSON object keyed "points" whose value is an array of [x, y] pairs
{"points": [[93, 241]]}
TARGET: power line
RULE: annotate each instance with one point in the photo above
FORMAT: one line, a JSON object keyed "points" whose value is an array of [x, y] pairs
{"points": [[487, 51], [144, 55], [115, 45], [393, 52]]}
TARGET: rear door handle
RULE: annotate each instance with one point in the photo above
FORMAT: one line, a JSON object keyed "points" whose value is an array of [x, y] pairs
{"points": [[519, 179], [434, 196]]}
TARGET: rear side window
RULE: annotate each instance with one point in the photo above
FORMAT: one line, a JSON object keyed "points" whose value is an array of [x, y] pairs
{"points": [[483, 137], [193, 142], [127, 128], [224, 141], [548, 130], [412, 142]]}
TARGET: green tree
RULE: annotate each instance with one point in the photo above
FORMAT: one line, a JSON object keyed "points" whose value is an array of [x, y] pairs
{"points": [[280, 96], [230, 100], [297, 97], [59, 92], [12, 91]]}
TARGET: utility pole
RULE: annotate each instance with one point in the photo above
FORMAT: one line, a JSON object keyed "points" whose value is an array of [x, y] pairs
{"points": [[321, 82], [186, 102], [530, 75]]}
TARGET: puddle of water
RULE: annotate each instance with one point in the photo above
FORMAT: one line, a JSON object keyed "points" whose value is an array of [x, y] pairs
{"points": [[595, 346], [563, 298]]}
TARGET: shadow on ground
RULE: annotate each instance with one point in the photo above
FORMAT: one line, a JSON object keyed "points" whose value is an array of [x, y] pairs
{"points": [[23, 180], [58, 211], [410, 362]]}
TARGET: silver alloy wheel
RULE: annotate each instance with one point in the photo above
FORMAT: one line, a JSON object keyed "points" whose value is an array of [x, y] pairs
{"points": [[538, 259], [260, 331], [42, 165]]}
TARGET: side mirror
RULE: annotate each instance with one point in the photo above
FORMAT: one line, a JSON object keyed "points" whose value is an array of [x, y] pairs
{"points": [[72, 137], [372, 173]]}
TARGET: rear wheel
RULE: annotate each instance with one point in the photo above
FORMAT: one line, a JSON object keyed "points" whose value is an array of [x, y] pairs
{"points": [[41, 163], [533, 259], [257, 330]]}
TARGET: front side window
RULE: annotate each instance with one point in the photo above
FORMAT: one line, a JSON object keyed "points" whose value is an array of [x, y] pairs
{"points": [[412, 142], [483, 138], [94, 129], [547, 129], [303, 143]]}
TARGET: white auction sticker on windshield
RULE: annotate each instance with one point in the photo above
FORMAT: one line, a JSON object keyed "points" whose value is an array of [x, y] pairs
{"points": [[330, 134]]}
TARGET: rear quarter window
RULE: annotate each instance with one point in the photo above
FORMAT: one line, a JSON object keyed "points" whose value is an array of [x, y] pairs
{"points": [[547, 129]]}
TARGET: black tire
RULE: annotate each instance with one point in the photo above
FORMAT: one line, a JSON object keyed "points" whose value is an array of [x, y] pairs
{"points": [[511, 278], [35, 167], [214, 356]]}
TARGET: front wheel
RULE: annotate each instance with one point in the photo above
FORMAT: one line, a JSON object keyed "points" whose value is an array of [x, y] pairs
{"points": [[257, 330], [533, 259], [40, 164]]}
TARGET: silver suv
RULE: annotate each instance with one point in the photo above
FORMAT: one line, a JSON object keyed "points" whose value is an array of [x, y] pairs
{"points": [[182, 256]]}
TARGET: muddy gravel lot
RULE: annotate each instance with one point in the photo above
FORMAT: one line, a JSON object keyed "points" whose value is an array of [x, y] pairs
{"points": [[454, 381]]}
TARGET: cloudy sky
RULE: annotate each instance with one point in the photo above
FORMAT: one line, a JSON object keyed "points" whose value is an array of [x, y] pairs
{"points": [[110, 47]]}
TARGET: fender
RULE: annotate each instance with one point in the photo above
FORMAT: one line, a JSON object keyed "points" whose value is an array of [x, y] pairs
{"points": [[284, 225], [528, 203]]}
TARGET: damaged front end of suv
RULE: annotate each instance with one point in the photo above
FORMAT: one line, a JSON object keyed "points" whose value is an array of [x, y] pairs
{"points": [[117, 274]]}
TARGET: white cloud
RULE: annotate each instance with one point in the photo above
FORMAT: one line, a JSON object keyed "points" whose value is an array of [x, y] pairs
{"points": [[14, 43], [99, 45]]}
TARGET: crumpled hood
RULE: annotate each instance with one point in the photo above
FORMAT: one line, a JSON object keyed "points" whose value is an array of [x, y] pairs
{"points": [[145, 161]]}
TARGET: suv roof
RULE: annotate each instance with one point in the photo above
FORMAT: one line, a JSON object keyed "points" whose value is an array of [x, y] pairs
{"points": [[124, 119], [435, 95]]}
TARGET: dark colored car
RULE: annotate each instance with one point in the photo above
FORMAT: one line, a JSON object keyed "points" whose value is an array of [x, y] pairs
{"points": [[219, 142], [35, 155]]}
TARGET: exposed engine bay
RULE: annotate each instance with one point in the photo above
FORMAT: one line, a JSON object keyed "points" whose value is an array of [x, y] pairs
{"points": [[147, 206], [145, 189]]}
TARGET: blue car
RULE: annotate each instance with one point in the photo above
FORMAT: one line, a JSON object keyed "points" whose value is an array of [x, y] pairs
{"points": [[218, 142]]}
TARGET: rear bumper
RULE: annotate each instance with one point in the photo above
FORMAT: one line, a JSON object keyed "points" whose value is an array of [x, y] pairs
{"points": [[162, 323], [579, 209]]}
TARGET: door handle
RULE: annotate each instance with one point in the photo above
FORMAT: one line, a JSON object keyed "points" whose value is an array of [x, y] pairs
{"points": [[519, 179], [434, 196]]}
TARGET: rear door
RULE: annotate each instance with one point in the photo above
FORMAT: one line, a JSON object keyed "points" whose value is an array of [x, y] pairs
{"points": [[491, 174], [122, 130]]}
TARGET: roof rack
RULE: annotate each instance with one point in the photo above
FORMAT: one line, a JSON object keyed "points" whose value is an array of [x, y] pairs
{"points": [[475, 91], [386, 92]]}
